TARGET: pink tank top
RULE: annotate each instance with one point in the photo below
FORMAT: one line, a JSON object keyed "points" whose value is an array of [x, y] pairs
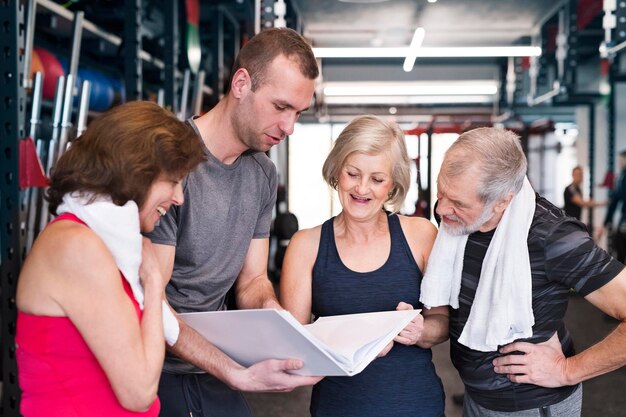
{"points": [[58, 374]]}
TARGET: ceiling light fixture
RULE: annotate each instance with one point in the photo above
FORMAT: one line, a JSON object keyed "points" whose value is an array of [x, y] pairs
{"points": [[408, 100], [413, 88], [429, 52], [362, 1], [416, 43]]}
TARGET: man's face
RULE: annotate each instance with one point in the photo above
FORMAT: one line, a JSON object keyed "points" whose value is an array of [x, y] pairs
{"points": [[462, 211], [267, 116], [577, 176]]}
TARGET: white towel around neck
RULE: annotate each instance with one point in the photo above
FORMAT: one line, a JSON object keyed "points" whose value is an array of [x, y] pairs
{"points": [[118, 227], [502, 308]]}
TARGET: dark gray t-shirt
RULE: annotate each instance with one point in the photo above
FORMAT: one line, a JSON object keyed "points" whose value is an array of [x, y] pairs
{"points": [[226, 206], [562, 256]]}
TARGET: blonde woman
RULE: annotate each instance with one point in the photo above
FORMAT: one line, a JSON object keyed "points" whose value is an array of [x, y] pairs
{"points": [[369, 258]]}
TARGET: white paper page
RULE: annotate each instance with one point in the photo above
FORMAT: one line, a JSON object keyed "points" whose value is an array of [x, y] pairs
{"points": [[352, 337], [250, 336]]}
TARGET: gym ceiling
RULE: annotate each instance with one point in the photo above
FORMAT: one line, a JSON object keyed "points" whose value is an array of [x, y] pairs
{"points": [[570, 69]]}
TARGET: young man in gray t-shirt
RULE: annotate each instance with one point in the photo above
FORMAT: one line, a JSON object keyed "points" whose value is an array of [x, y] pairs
{"points": [[219, 238]]}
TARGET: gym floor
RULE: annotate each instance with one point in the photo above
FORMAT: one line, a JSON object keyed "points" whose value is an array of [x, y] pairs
{"points": [[603, 396]]}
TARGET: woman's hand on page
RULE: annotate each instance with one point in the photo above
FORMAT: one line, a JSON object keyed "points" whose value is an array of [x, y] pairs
{"points": [[412, 333]]}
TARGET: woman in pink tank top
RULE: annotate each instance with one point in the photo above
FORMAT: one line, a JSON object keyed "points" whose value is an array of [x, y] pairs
{"points": [[85, 346]]}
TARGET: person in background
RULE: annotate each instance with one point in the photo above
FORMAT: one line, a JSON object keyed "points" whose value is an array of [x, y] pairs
{"points": [[218, 240], [505, 259], [284, 227], [90, 336], [617, 199], [369, 258], [573, 196]]}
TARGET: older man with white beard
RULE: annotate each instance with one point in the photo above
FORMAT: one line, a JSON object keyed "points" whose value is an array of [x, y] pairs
{"points": [[505, 260]]}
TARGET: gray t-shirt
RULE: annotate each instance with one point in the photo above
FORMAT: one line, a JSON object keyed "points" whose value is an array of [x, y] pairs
{"points": [[226, 206]]}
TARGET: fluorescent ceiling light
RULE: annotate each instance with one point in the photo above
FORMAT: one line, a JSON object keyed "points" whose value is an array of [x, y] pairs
{"points": [[362, 1], [360, 52], [429, 52], [416, 43], [407, 100], [415, 88]]}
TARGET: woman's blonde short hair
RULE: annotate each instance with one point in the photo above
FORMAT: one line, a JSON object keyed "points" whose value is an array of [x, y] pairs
{"points": [[372, 135]]}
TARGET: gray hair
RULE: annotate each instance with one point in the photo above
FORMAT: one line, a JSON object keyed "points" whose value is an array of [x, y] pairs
{"points": [[372, 135], [497, 155]]}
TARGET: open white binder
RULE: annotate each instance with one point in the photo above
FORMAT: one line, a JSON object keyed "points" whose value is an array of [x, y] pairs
{"points": [[335, 345]]}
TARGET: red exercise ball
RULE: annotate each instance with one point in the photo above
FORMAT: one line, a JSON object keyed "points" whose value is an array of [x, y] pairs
{"points": [[52, 71], [35, 65]]}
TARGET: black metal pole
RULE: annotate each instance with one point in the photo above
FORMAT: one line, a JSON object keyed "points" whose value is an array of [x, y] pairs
{"points": [[171, 51], [591, 144], [133, 66], [429, 173], [12, 239]]}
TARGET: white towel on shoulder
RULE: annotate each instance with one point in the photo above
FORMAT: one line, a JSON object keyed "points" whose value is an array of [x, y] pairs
{"points": [[502, 307], [118, 227]]}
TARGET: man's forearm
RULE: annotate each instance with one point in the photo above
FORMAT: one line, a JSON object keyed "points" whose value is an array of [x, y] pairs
{"points": [[435, 330], [601, 358], [198, 351], [256, 293], [268, 375]]}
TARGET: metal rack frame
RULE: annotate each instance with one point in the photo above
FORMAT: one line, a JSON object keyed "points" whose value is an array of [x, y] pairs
{"points": [[133, 67], [170, 51], [12, 129]]}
